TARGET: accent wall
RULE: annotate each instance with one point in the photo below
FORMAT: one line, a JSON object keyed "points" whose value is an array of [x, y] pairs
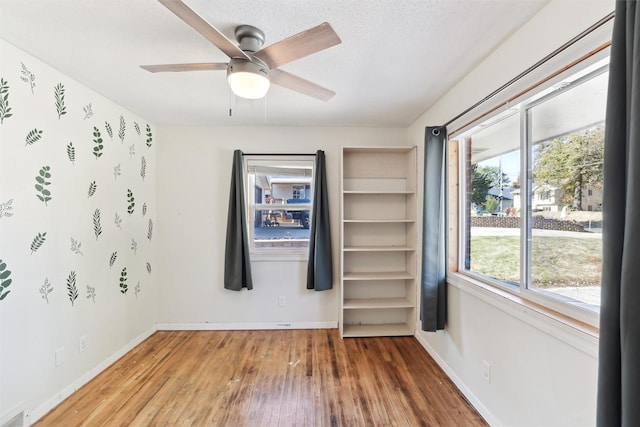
{"points": [[77, 233]]}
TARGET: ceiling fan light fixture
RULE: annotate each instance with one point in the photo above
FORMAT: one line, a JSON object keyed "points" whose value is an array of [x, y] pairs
{"points": [[248, 79]]}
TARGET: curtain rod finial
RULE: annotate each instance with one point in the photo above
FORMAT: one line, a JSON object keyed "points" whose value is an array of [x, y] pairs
{"points": [[436, 130]]}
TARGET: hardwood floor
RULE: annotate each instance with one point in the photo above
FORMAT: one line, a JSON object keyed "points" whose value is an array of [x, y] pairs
{"points": [[268, 378]]}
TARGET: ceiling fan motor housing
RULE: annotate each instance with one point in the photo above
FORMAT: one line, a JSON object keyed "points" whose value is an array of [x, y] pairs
{"points": [[255, 66], [250, 38]]}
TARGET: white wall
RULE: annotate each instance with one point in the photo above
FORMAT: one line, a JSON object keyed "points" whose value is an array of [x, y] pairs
{"points": [[193, 197], [32, 328], [542, 373]]}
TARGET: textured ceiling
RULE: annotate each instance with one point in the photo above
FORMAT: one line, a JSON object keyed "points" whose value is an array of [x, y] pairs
{"points": [[396, 59]]}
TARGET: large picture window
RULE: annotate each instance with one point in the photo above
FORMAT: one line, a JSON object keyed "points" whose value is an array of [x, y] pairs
{"points": [[532, 195], [279, 201]]}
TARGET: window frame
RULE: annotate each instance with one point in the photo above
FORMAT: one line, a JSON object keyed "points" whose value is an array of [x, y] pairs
{"points": [[251, 207], [558, 303]]}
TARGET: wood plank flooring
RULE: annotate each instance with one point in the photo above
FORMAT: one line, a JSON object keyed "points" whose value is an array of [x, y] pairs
{"points": [[268, 378]]}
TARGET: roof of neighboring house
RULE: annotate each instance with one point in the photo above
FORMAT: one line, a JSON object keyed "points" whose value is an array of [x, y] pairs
{"points": [[534, 189], [506, 193]]}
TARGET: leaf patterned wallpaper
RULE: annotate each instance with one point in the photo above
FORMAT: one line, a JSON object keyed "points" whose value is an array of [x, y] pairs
{"points": [[74, 168]]}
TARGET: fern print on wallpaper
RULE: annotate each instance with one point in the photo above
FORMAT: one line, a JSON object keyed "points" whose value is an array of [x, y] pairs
{"points": [[27, 77], [5, 110], [56, 181], [70, 174], [5, 280]]}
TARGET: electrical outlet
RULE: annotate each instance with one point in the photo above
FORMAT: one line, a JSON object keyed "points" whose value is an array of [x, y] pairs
{"points": [[82, 343], [60, 357], [281, 301], [486, 371]]}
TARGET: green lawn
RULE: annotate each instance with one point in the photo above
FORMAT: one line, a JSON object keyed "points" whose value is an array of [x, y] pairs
{"points": [[556, 261]]}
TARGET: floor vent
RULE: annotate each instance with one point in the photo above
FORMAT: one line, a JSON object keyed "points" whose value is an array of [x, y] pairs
{"points": [[16, 421]]}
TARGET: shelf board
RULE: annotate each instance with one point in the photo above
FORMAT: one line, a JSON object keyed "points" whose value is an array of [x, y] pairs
{"points": [[378, 330], [378, 249], [378, 149], [378, 221], [376, 303], [381, 275]]}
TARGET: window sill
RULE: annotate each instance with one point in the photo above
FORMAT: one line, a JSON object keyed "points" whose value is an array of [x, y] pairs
{"points": [[579, 335]]}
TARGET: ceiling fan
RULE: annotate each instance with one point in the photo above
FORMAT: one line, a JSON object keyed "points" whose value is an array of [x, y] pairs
{"points": [[251, 70]]}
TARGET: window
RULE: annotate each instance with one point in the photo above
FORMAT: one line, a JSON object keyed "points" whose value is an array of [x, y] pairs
{"points": [[279, 191], [300, 191], [532, 175]]}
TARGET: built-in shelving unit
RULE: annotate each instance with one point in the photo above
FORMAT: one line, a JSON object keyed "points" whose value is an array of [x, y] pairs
{"points": [[378, 241]]}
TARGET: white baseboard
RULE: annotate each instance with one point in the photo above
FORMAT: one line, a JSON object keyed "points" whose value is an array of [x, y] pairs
{"points": [[475, 402], [52, 402], [244, 326]]}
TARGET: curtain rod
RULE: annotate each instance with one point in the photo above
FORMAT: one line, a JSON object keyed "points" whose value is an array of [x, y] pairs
{"points": [[553, 54], [278, 154]]}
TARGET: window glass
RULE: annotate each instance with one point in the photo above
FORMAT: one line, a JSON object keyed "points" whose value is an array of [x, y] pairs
{"points": [[539, 232], [279, 195], [492, 202], [567, 133]]}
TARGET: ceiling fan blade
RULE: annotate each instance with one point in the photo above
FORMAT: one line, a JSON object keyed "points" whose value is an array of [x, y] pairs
{"points": [[209, 32], [302, 44], [298, 84], [203, 66]]}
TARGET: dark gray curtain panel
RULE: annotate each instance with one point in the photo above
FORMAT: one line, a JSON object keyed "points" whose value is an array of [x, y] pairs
{"points": [[433, 303], [237, 263], [320, 266], [619, 359]]}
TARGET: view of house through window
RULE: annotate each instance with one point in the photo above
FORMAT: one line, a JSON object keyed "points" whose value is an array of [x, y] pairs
{"points": [[540, 231], [279, 199], [493, 176]]}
